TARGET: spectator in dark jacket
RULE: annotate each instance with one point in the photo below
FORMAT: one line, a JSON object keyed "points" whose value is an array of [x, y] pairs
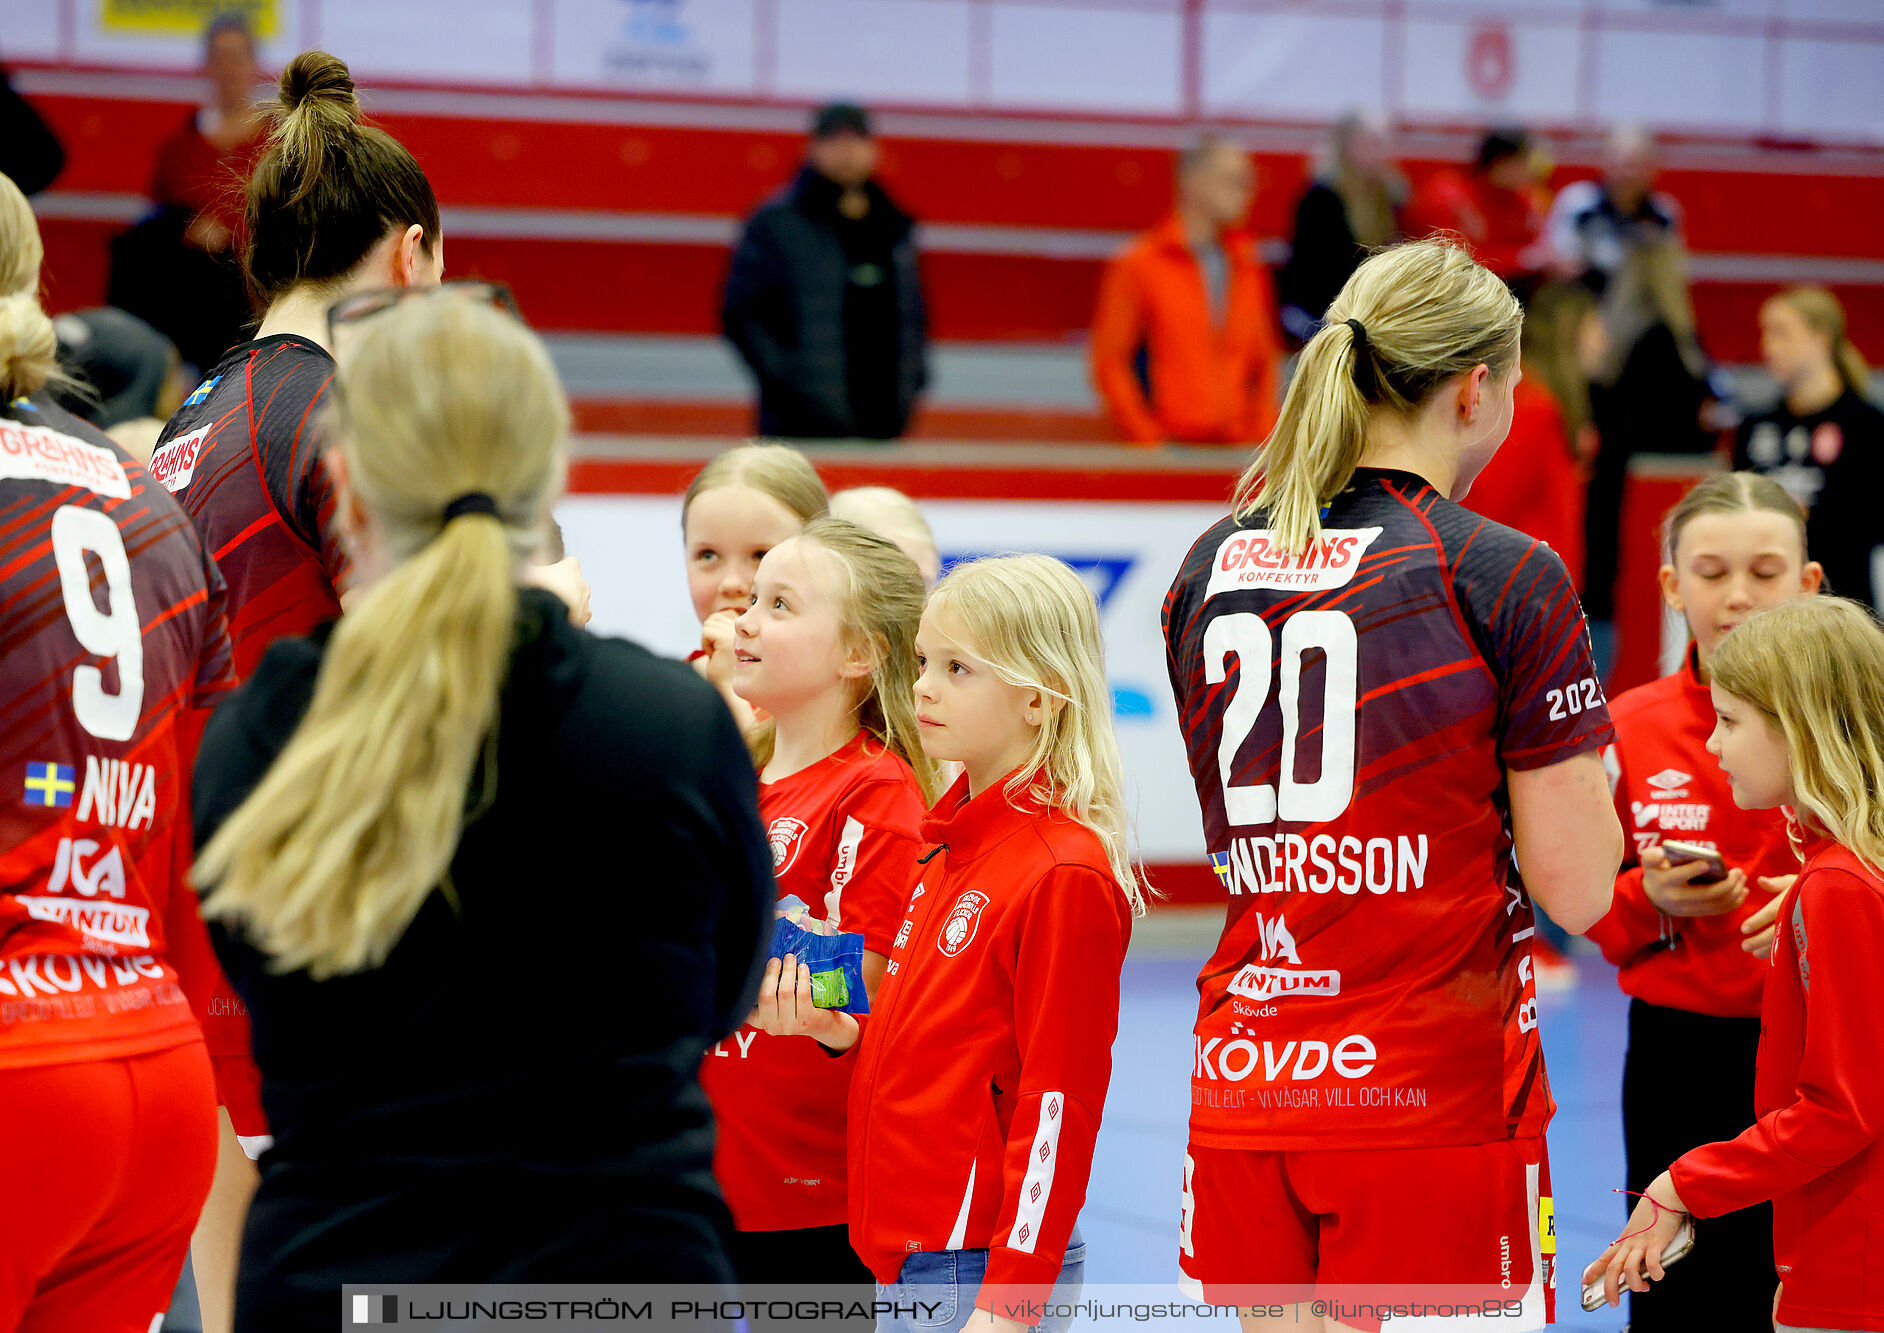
{"points": [[29, 151], [824, 301], [1594, 224], [1351, 207]]}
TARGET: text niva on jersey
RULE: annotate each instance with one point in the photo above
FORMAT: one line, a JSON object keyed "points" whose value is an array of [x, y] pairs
{"points": [[1324, 863]]}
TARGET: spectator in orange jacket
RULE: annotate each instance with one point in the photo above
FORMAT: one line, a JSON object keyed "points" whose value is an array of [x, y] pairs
{"points": [[1185, 348]]}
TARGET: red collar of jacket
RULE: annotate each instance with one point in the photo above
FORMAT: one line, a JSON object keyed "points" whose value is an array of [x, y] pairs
{"points": [[1174, 235], [969, 827]]}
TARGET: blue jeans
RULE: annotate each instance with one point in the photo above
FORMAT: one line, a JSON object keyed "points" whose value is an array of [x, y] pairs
{"points": [[946, 1283]]}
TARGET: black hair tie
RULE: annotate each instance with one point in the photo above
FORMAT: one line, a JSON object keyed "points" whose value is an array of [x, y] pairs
{"points": [[471, 502], [1363, 358]]}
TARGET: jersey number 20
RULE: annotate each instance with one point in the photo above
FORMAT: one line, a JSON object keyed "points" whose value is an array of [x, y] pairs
{"points": [[1247, 635], [111, 633]]}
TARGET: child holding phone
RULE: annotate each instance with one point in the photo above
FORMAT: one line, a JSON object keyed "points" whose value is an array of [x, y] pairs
{"points": [[1691, 924], [827, 649], [1798, 694], [980, 1085]]}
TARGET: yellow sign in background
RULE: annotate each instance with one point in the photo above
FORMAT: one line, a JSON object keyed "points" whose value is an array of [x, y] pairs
{"points": [[186, 17]]}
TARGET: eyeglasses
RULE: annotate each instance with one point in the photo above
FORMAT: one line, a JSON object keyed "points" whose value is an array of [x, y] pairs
{"points": [[358, 306]]}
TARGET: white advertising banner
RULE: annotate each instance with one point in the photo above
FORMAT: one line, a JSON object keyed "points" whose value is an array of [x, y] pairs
{"points": [[701, 46], [1795, 67], [630, 548]]}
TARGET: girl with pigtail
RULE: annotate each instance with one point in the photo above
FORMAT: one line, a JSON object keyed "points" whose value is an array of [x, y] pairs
{"points": [[826, 649]]}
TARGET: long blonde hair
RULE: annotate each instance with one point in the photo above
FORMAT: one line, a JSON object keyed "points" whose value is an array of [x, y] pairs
{"points": [[29, 349], [1430, 313], [775, 470], [880, 609], [1815, 668], [1824, 313], [1036, 625], [358, 819]]}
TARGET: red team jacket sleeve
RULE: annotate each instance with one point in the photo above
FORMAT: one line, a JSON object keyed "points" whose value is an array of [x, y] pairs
{"points": [[1840, 1106], [1633, 923], [877, 846], [1066, 1013]]}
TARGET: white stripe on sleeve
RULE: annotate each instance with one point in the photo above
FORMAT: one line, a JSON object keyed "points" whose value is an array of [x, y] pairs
{"points": [[1037, 1187], [844, 865]]}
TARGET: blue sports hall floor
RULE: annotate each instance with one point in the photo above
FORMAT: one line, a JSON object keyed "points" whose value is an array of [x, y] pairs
{"points": [[1130, 1222]]}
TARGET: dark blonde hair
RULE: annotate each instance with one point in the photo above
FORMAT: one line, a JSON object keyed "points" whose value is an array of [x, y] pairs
{"points": [[776, 470], [1732, 493], [329, 187], [358, 819], [1430, 313], [1824, 313], [879, 609], [29, 349], [1815, 668]]}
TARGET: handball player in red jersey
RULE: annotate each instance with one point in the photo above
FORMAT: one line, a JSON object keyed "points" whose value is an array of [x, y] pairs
{"points": [[113, 628], [334, 206], [1389, 707]]}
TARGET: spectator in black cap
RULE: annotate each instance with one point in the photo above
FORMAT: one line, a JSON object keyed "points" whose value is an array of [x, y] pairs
{"points": [[824, 301], [1493, 206]]}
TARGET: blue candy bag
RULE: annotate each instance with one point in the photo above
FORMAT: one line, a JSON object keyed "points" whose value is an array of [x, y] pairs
{"points": [[834, 957]]}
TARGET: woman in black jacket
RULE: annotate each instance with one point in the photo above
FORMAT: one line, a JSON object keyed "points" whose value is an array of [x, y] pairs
{"points": [[489, 886], [1349, 209]]}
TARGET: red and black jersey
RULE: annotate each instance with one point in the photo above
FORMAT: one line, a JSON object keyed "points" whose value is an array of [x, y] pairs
{"points": [[113, 629], [1349, 716], [243, 458]]}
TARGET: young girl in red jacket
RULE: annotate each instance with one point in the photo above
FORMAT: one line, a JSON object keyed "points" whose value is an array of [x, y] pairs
{"points": [[1798, 694], [1691, 951], [979, 1087], [827, 650]]}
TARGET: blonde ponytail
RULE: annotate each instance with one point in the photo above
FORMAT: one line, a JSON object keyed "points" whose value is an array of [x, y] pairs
{"points": [[1426, 313], [1317, 441], [29, 350], [1824, 313], [358, 820], [1036, 625]]}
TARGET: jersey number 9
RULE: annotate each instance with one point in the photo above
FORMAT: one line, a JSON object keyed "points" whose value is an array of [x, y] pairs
{"points": [[110, 633], [1248, 636]]}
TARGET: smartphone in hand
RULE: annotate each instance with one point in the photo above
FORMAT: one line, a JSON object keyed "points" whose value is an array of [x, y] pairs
{"points": [[1681, 853], [1678, 1248]]}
